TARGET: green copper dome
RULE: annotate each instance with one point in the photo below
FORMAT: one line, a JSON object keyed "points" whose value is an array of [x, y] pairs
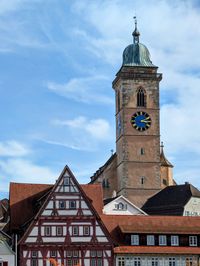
{"points": [[136, 54]]}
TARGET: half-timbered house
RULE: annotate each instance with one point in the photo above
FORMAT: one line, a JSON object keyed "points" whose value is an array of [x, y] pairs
{"points": [[67, 229]]}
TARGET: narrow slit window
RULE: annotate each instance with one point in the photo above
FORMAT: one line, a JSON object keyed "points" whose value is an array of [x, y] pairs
{"points": [[141, 98]]}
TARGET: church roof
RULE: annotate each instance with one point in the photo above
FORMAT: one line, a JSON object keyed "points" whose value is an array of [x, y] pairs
{"points": [[171, 200], [102, 168]]}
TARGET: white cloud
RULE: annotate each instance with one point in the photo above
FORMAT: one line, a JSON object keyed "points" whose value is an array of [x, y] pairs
{"points": [[13, 148], [96, 128], [24, 171], [87, 90]]}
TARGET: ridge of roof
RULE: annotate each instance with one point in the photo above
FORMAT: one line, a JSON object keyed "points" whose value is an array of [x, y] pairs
{"points": [[101, 169]]}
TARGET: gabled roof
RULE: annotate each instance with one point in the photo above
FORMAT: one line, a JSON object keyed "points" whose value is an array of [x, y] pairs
{"points": [[171, 200], [30, 197], [108, 202], [60, 187]]}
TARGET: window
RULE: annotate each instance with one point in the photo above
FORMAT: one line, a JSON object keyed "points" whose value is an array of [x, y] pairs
{"points": [[165, 182], [86, 230], [75, 230], [93, 253], [142, 151], [69, 262], [142, 180], [33, 262], [47, 230], [75, 262], [61, 204], [59, 230], [52, 253], [93, 262], [99, 253], [66, 181], [189, 261], [193, 240], [99, 262], [150, 240], [34, 254], [136, 261], [121, 261], [141, 98], [162, 240], [75, 253], [154, 261], [135, 240], [174, 241], [120, 206], [172, 262], [69, 253], [72, 204]]}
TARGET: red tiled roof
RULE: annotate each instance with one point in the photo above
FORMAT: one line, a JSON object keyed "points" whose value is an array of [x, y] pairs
{"points": [[24, 196], [156, 250], [95, 194], [117, 224]]}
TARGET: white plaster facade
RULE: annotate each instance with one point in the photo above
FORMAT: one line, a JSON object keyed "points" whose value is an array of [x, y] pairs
{"points": [[6, 254], [122, 206], [192, 208]]}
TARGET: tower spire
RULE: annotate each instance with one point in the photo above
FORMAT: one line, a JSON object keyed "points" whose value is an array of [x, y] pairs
{"points": [[135, 33]]}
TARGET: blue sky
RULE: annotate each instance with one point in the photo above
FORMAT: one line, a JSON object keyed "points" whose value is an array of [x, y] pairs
{"points": [[57, 62]]}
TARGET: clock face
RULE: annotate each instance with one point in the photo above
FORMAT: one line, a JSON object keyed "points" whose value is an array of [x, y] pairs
{"points": [[141, 121]]}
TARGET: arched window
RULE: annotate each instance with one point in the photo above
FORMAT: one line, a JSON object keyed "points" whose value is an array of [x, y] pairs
{"points": [[141, 97]]}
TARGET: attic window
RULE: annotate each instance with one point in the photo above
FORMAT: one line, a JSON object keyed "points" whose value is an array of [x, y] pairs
{"points": [[120, 206], [66, 181]]}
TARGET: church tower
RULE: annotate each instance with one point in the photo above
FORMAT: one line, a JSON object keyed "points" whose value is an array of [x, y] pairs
{"points": [[137, 124]]}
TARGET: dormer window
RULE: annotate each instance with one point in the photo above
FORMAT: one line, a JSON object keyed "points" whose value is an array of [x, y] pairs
{"points": [[150, 240], [174, 241], [134, 240], [193, 241], [162, 240], [141, 98]]}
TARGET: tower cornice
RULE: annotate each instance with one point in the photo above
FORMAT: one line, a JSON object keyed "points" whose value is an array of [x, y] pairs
{"points": [[142, 73]]}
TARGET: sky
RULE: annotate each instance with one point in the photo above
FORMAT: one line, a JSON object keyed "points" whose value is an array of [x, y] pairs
{"points": [[58, 59]]}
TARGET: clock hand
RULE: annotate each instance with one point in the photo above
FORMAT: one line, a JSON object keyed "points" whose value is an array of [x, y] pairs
{"points": [[144, 121]]}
